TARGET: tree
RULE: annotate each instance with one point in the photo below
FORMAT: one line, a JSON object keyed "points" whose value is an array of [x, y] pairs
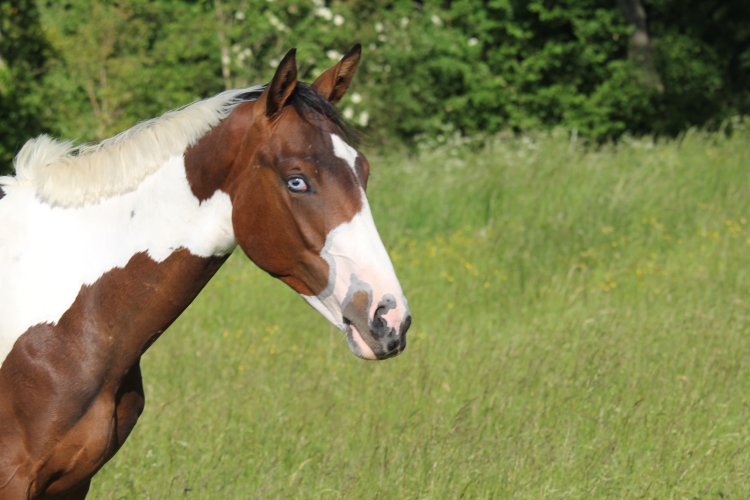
{"points": [[23, 54], [122, 62]]}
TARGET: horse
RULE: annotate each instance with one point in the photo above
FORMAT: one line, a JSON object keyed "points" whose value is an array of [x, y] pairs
{"points": [[103, 246]]}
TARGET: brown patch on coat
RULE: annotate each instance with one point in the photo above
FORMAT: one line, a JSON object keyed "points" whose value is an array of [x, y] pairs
{"points": [[362, 166], [209, 163], [281, 231], [71, 393], [251, 155]]}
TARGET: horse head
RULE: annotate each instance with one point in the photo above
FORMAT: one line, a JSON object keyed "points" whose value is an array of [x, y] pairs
{"points": [[300, 209]]}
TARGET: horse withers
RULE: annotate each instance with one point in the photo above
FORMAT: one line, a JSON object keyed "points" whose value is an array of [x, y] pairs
{"points": [[103, 246]]}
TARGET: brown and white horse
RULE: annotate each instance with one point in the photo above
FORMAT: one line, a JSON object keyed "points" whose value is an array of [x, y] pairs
{"points": [[102, 247]]}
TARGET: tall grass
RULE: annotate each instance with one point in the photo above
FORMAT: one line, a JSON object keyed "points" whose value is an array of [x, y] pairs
{"points": [[580, 331]]}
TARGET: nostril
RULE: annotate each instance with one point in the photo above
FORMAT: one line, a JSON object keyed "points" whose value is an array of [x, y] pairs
{"points": [[381, 311], [378, 322], [405, 324]]}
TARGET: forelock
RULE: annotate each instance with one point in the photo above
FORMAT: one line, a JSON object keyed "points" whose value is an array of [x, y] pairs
{"points": [[314, 108]]}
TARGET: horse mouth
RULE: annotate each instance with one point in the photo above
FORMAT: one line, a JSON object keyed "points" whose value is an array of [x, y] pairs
{"points": [[362, 349]]}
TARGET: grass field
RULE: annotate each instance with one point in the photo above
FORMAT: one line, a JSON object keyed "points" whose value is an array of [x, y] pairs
{"points": [[581, 330]]}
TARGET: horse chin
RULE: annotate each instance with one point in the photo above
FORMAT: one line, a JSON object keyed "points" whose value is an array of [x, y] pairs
{"points": [[357, 344], [362, 349]]}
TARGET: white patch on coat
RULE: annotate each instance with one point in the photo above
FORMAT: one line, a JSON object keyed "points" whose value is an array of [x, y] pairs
{"points": [[48, 253], [355, 249], [67, 175], [344, 151]]}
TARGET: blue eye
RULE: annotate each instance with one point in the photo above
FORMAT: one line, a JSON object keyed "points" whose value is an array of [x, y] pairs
{"points": [[297, 185]]}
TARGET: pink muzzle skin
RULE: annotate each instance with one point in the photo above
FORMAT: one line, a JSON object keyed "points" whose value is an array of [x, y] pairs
{"points": [[365, 351]]}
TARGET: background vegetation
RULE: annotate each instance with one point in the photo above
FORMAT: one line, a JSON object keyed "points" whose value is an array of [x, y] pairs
{"points": [[87, 69]]}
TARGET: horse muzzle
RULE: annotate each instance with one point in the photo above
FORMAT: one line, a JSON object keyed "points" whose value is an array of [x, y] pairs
{"points": [[381, 336]]}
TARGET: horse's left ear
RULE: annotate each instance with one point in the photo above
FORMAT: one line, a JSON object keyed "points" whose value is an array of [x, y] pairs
{"points": [[334, 82], [281, 87]]}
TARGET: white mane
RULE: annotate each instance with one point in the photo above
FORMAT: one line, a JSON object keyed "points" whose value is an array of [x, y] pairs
{"points": [[68, 175]]}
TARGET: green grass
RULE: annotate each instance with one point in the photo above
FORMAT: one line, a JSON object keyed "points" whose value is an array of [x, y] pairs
{"points": [[581, 330]]}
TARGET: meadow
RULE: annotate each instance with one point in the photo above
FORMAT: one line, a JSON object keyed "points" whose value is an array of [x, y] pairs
{"points": [[581, 330]]}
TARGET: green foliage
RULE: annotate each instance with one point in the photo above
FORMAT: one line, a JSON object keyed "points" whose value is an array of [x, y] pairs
{"points": [[122, 62], [580, 331], [482, 67], [23, 51], [430, 68]]}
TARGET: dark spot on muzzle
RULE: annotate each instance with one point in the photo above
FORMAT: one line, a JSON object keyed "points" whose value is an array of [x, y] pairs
{"points": [[379, 325], [393, 341]]}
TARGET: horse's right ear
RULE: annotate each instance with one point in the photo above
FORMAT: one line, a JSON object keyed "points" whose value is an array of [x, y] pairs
{"points": [[281, 87]]}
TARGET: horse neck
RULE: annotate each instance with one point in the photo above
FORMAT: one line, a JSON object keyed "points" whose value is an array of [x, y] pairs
{"points": [[163, 285], [135, 304], [166, 284], [171, 247], [118, 272]]}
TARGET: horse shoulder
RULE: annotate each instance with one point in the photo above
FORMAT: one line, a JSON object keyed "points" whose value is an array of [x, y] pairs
{"points": [[64, 426]]}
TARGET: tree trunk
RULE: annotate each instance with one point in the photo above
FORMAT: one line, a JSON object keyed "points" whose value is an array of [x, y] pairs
{"points": [[223, 45], [641, 50]]}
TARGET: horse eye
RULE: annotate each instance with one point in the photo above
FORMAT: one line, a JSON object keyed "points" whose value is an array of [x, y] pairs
{"points": [[297, 185]]}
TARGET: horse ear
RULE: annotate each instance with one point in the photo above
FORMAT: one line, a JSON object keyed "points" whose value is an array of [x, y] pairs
{"points": [[334, 82], [283, 84]]}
